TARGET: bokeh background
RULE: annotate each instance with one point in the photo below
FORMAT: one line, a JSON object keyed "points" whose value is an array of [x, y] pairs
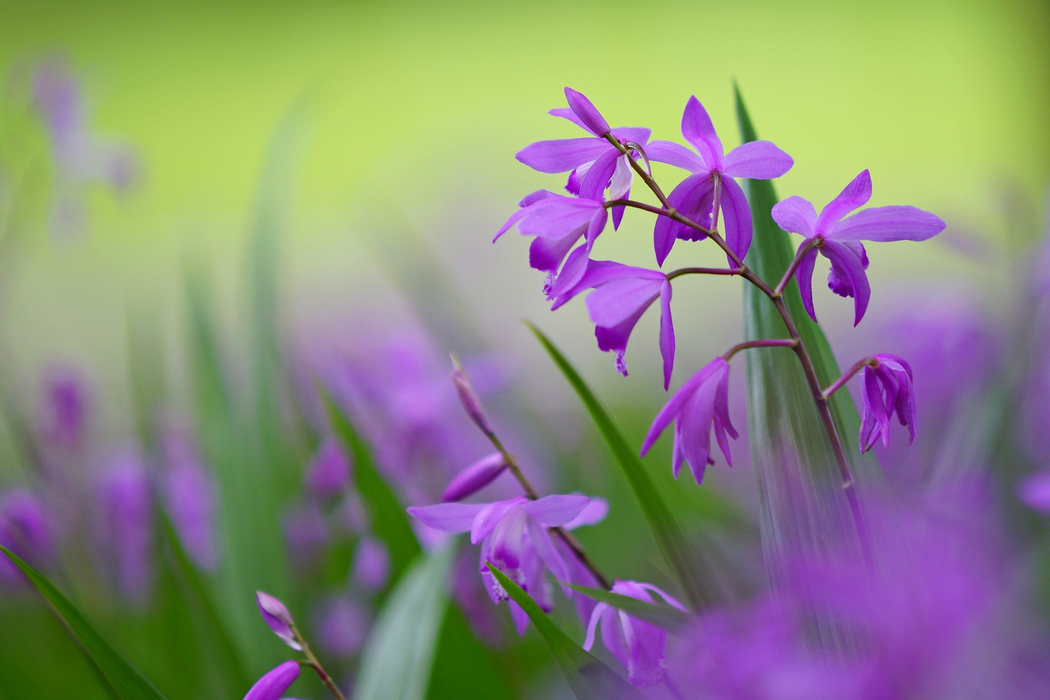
{"points": [[406, 120]]}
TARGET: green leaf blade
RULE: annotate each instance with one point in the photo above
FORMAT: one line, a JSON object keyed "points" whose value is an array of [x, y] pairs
{"points": [[658, 613], [588, 677], [669, 536], [124, 680]]}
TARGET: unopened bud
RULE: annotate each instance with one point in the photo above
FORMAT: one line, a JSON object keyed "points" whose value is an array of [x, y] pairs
{"points": [[278, 618], [469, 399], [474, 478], [273, 684]]}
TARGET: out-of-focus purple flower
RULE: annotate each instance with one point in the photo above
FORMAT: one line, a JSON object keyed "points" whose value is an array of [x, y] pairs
{"points": [[371, 564], [124, 523], [467, 590], [694, 196], [276, 615], [189, 495], [342, 627], [839, 240], [1034, 491], [273, 684], [621, 295], [558, 222], [26, 530], [702, 401], [596, 164], [469, 398], [65, 407], [886, 388], [305, 535], [514, 538], [80, 157], [637, 644], [328, 472], [474, 478]]}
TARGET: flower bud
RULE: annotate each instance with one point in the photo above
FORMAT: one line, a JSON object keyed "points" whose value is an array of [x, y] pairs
{"points": [[273, 684], [587, 112], [328, 472], [469, 399], [474, 478], [276, 615]]}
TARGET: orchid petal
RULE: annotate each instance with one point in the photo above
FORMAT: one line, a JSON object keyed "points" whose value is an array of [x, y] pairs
{"points": [[804, 277], [693, 198], [854, 195], [850, 265], [447, 517], [488, 517], [737, 215], [556, 510], [615, 302], [674, 154], [757, 160], [666, 332], [795, 215], [562, 155], [592, 514], [588, 114], [883, 224], [475, 477], [566, 113], [700, 132], [599, 175], [546, 551]]}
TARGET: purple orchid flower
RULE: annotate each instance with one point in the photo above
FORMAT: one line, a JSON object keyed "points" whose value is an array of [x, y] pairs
{"points": [[342, 626], [474, 478], [636, 644], [622, 294], [371, 567], [66, 407], [273, 684], [328, 473], [513, 536], [276, 615], [596, 164], [839, 240], [558, 222], [886, 388], [701, 402], [26, 530], [124, 526], [694, 196]]}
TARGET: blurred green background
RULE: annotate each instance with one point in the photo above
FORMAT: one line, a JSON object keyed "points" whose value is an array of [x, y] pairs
{"points": [[417, 110]]}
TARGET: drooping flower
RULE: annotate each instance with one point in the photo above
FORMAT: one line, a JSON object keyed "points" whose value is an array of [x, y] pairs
{"points": [[514, 538], [558, 222], [273, 684], [886, 388], [839, 240], [474, 478], [26, 530], [694, 196], [621, 295], [596, 164], [276, 615], [702, 401], [328, 472], [636, 644]]}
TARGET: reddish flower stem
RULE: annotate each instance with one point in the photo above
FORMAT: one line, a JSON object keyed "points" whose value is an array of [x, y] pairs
{"points": [[774, 343], [703, 271], [313, 663], [801, 253], [848, 375]]}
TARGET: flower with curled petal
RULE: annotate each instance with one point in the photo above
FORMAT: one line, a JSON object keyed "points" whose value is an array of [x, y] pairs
{"points": [[702, 401], [621, 295], [886, 388], [595, 163], [839, 240], [694, 196]]}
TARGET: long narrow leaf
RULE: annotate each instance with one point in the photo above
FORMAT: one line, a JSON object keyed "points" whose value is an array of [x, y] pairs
{"points": [[385, 511], [125, 681], [398, 657], [657, 612], [673, 545], [588, 677]]}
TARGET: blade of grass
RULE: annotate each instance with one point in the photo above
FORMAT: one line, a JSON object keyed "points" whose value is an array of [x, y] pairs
{"points": [[657, 612], [680, 555], [124, 680], [588, 677]]}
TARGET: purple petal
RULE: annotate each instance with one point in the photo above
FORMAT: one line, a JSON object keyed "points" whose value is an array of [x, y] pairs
{"points": [[489, 516], [737, 215], [851, 267], [668, 598], [448, 517], [474, 478], [666, 332], [546, 551], [508, 538], [693, 198], [598, 272], [566, 113], [674, 406], [328, 472], [804, 277], [592, 514], [520, 617], [616, 301], [614, 338], [536, 196], [699, 131], [889, 224], [574, 269], [273, 684], [795, 215], [276, 615], [674, 154], [599, 175], [371, 566], [1035, 491], [695, 433], [855, 194], [592, 625], [556, 510], [546, 254], [645, 642], [588, 114], [757, 160], [555, 217], [562, 155], [636, 134]]}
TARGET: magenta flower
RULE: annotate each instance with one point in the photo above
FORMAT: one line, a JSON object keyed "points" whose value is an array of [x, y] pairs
{"points": [[342, 626], [558, 222], [886, 388], [596, 164], [621, 295], [276, 615], [124, 524], [636, 644], [371, 566], [273, 684], [328, 473], [701, 402], [694, 196], [839, 240], [25, 529], [514, 538], [66, 407], [474, 478]]}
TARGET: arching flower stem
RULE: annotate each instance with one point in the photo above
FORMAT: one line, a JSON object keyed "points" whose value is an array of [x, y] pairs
{"points": [[703, 271], [848, 375], [801, 253], [313, 663], [774, 343]]}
